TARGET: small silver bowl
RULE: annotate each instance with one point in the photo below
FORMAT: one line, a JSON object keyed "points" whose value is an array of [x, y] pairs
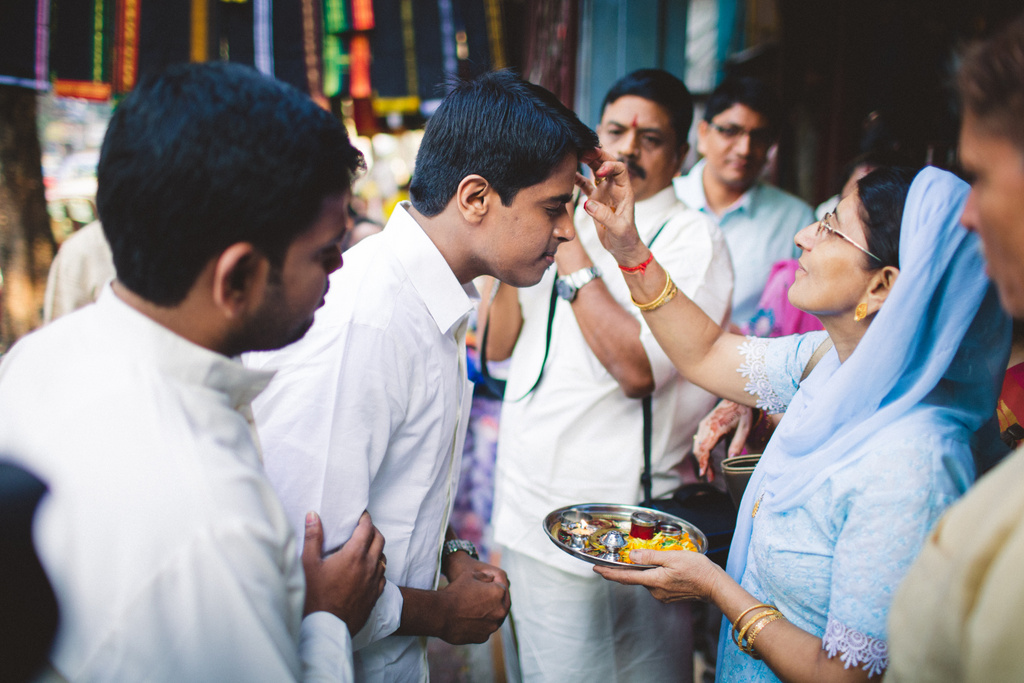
{"points": [[613, 541]]}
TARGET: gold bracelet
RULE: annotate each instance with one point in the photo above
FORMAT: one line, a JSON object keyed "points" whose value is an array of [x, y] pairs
{"points": [[736, 623], [666, 295], [749, 649], [742, 636]]}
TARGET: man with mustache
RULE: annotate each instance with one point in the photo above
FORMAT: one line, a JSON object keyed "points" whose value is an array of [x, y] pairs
{"points": [[571, 427], [370, 409], [759, 221]]}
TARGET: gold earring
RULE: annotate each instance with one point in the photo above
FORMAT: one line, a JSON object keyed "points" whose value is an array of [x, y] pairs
{"points": [[860, 312]]}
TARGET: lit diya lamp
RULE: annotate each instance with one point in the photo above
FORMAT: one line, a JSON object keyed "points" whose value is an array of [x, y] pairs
{"points": [[577, 527]]}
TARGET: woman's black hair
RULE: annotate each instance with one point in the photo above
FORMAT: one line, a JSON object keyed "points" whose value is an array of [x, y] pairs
{"points": [[882, 193]]}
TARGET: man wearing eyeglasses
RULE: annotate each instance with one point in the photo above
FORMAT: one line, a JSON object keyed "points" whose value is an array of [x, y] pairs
{"points": [[758, 220]]}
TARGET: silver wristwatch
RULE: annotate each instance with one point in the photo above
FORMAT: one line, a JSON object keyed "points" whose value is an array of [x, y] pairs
{"points": [[455, 545], [568, 285]]}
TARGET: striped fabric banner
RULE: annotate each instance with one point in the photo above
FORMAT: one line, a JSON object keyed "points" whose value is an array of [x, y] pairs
{"points": [[336, 19], [126, 46], [25, 36], [362, 15], [311, 30], [495, 35], [199, 35], [81, 48], [263, 36], [394, 70]]}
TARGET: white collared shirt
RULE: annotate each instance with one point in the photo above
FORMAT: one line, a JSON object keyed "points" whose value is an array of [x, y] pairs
{"points": [[759, 229], [168, 551], [369, 411], [578, 438]]}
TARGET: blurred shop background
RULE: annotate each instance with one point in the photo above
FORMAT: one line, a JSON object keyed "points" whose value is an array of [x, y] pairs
{"points": [[845, 68], [851, 73]]}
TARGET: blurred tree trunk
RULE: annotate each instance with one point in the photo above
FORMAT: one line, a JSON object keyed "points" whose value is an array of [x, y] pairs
{"points": [[26, 241]]}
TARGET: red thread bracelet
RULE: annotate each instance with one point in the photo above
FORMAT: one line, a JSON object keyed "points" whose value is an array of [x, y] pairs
{"points": [[642, 268]]}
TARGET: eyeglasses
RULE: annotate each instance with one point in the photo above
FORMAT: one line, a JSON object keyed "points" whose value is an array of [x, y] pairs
{"points": [[824, 226], [760, 137]]}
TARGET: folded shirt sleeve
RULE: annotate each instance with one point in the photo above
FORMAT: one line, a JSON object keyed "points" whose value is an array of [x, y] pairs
{"points": [[325, 648]]}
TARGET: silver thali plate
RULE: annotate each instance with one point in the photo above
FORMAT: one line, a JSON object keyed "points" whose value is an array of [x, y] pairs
{"points": [[615, 517]]}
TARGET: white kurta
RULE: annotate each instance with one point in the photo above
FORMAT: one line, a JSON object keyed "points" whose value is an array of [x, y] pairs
{"points": [[369, 411], [168, 551], [578, 438]]}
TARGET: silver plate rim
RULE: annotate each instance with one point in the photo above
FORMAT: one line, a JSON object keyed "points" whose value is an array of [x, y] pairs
{"points": [[596, 509]]}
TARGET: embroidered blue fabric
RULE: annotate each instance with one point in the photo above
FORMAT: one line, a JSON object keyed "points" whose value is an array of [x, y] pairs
{"points": [[872, 449], [832, 564]]}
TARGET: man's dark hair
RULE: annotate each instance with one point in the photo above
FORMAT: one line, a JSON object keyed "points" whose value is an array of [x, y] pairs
{"points": [[751, 93], [991, 83], [663, 89], [204, 156], [498, 126]]}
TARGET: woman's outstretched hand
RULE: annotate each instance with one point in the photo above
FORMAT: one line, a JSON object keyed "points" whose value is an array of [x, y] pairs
{"points": [[610, 203], [677, 574]]}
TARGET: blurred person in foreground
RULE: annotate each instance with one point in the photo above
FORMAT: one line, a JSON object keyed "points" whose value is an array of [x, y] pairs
{"points": [[371, 408], [957, 615], [576, 433], [224, 197], [28, 607], [741, 122], [81, 268], [876, 441]]}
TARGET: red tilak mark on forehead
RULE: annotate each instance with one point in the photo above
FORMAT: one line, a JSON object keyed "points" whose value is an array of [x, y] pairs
{"points": [[635, 118]]}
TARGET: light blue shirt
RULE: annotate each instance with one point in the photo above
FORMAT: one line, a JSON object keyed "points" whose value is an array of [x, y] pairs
{"points": [[759, 230]]}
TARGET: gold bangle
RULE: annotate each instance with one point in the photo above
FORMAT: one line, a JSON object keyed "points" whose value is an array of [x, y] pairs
{"points": [[666, 295], [749, 649], [742, 635], [736, 623]]}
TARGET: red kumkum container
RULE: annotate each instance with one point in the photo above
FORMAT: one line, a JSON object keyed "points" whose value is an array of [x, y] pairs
{"points": [[642, 525]]}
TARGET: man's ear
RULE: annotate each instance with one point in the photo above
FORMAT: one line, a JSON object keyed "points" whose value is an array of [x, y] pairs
{"points": [[239, 279], [473, 198], [880, 287], [702, 134], [681, 152]]}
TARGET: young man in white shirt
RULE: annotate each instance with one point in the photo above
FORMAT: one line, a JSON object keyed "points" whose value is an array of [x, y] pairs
{"points": [[224, 197], [370, 410], [741, 121], [576, 435]]}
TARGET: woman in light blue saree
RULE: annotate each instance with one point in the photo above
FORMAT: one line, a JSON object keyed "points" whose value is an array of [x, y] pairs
{"points": [[875, 442]]}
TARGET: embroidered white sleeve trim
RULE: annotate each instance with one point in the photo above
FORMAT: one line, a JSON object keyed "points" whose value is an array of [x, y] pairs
{"points": [[855, 648], [754, 369]]}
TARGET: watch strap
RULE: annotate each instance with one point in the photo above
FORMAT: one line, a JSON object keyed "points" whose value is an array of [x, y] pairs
{"points": [[568, 285], [583, 276], [454, 545]]}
